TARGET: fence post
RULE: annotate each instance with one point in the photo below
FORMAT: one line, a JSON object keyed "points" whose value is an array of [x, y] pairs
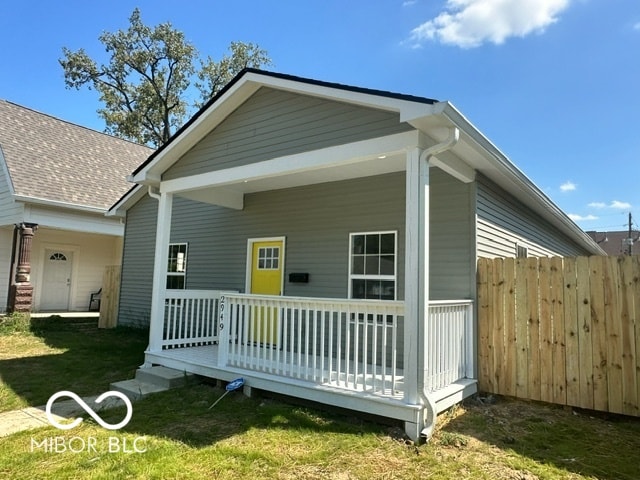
{"points": [[110, 297]]}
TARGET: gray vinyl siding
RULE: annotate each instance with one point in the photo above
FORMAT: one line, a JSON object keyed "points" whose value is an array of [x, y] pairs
{"points": [[503, 222], [137, 263], [316, 221], [452, 260], [274, 123]]}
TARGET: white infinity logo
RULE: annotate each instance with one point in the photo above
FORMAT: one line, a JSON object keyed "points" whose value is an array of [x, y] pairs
{"points": [[87, 408]]}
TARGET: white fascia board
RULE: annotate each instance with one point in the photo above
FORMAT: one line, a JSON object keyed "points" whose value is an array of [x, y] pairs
{"points": [[5, 171], [58, 204], [406, 108], [522, 187], [307, 161], [127, 201], [74, 221]]}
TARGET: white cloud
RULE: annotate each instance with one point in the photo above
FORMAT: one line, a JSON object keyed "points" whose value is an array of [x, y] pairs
{"points": [[568, 186], [408, 3], [597, 205], [636, 26], [580, 218], [615, 204], [470, 23], [620, 205]]}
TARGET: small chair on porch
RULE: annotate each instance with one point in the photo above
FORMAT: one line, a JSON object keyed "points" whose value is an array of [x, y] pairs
{"points": [[94, 301]]}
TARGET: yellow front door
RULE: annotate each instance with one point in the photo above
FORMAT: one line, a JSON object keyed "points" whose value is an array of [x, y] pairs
{"points": [[266, 279]]}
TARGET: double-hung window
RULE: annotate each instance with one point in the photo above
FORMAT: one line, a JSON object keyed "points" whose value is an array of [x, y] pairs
{"points": [[177, 266], [373, 265]]}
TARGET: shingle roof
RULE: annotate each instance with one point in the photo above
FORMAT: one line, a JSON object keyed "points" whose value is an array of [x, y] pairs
{"points": [[55, 160], [614, 243]]}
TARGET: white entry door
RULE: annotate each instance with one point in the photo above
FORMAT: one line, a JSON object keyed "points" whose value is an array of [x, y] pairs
{"points": [[56, 280]]}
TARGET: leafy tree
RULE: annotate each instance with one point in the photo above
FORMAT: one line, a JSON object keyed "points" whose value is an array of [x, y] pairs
{"points": [[144, 86]]}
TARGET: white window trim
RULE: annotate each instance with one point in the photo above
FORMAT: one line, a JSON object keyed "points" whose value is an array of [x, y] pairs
{"points": [[393, 277], [179, 274]]}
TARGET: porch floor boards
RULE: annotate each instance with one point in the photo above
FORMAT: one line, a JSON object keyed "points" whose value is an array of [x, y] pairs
{"points": [[205, 358]]}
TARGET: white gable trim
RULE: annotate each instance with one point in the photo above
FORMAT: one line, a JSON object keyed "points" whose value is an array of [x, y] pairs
{"points": [[246, 86], [307, 161], [5, 171]]}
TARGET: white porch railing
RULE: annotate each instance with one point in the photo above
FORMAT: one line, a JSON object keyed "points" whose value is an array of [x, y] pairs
{"points": [[351, 344], [450, 342], [190, 318]]}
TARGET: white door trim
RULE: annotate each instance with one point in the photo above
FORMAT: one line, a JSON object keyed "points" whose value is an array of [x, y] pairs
{"points": [[74, 272]]}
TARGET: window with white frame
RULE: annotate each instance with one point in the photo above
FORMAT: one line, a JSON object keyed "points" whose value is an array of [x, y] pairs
{"points": [[373, 265], [177, 266], [268, 258]]}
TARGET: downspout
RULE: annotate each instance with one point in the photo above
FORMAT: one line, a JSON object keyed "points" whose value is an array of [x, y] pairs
{"points": [[12, 265], [153, 194], [429, 404]]}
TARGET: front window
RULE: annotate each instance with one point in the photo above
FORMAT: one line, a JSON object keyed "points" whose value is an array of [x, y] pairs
{"points": [[177, 266], [372, 265]]}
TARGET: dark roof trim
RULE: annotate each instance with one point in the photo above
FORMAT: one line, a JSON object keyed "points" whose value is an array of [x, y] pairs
{"points": [[281, 76]]}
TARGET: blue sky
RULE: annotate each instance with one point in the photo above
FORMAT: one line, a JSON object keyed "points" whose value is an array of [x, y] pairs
{"points": [[555, 84]]}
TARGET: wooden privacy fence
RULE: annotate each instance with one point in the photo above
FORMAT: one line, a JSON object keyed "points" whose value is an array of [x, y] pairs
{"points": [[561, 330], [110, 297]]}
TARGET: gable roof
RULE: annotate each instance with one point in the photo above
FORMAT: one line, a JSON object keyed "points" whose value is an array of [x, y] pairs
{"points": [[55, 162], [436, 119], [249, 80]]}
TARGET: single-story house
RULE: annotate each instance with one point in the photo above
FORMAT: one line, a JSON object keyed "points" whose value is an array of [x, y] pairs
{"points": [[320, 241], [57, 180]]}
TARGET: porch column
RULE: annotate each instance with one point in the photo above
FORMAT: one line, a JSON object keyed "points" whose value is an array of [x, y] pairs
{"points": [[21, 293], [160, 265], [416, 282]]}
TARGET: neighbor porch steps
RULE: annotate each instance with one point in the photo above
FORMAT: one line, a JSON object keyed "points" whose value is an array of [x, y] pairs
{"points": [[152, 380]]}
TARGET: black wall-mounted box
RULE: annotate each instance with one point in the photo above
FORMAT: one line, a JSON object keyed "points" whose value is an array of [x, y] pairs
{"points": [[298, 278]]}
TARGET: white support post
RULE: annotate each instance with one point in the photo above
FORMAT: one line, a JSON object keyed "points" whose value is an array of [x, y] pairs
{"points": [[416, 287], [163, 234], [416, 284]]}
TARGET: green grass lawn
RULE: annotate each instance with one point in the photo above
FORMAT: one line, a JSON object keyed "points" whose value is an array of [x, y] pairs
{"points": [[44, 356], [179, 437]]}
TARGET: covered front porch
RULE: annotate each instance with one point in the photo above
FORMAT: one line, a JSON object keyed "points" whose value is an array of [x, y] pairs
{"points": [[370, 340], [347, 353]]}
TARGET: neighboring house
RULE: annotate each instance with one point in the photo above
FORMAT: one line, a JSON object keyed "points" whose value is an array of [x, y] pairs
{"points": [[57, 180], [321, 241], [618, 243]]}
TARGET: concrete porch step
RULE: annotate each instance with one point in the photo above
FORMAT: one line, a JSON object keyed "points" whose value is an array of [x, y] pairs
{"points": [[164, 377], [135, 389], [152, 380]]}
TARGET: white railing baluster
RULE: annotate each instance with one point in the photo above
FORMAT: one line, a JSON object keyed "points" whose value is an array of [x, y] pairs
{"points": [[352, 344]]}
